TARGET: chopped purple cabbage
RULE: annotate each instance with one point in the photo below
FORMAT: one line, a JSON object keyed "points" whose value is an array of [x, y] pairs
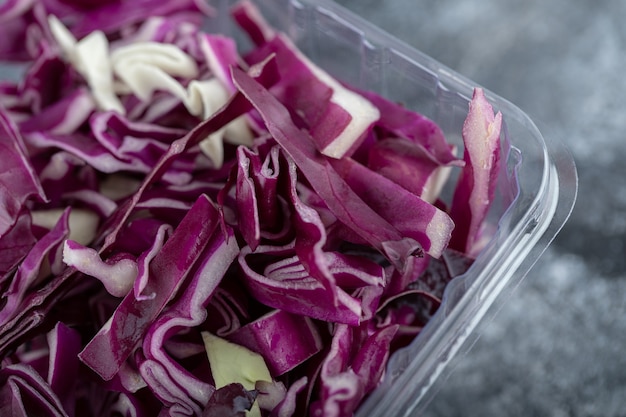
{"points": [[249, 195]]}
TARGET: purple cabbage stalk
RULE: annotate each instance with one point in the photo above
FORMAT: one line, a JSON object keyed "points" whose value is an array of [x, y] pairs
{"points": [[187, 312], [24, 393], [476, 186], [18, 180], [116, 339], [32, 267], [286, 340], [346, 379]]}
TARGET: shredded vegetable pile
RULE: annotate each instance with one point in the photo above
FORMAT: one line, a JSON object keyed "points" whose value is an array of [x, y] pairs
{"points": [[192, 229]]}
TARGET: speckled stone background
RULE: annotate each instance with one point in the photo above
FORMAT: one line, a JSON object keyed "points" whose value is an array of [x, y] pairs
{"points": [[558, 345]]}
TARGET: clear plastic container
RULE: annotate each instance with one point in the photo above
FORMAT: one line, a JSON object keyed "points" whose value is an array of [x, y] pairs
{"points": [[535, 196], [536, 193]]}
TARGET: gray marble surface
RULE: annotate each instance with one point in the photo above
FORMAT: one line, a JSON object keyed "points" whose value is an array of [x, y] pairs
{"points": [[558, 345]]}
